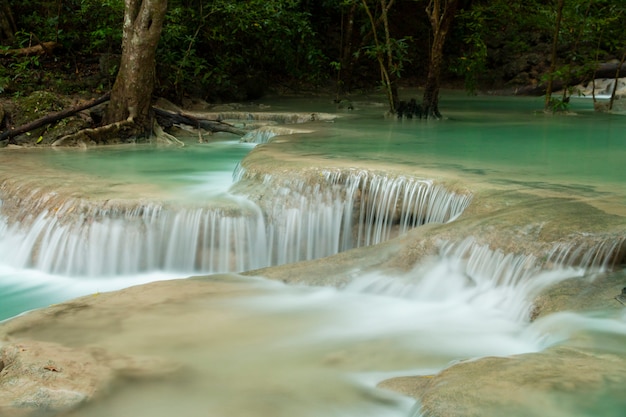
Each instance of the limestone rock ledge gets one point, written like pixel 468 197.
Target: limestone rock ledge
pixel 44 379
pixel 560 381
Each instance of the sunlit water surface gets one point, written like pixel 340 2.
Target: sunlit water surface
pixel 280 350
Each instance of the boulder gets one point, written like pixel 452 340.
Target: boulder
pixel 558 382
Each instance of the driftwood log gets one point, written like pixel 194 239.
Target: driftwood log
pixel 168 119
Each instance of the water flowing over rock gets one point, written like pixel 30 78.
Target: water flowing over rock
pixel 496 282
pixel 266 133
pixel 294 220
pixel 241 118
pixel 593 252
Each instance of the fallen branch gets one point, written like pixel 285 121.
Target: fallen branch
pixel 51 118
pixel 168 118
pixel 39 49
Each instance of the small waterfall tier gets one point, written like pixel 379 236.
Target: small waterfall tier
pixel 244 118
pixel 468 272
pixel 265 133
pixel 280 221
pixel 77 238
pixel 591 252
pixel 356 207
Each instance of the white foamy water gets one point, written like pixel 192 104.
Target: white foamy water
pixel 217 231
pixel 282 350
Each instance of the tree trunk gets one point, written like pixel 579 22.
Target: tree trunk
pixel 391 66
pixel 347 53
pixel 617 73
pixel 132 92
pixel 387 76
pixel 555 43
pixel 441 13
pixel 7 24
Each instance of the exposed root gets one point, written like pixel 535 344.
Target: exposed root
pixel 163 137
pixel 108 134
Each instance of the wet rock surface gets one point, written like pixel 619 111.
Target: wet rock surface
pixel 52 361
pixel 43 378
pixel 560 381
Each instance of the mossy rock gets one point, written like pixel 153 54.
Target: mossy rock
pixel 37 105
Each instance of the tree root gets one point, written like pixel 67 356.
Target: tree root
pixel 163 137
pixel 107 134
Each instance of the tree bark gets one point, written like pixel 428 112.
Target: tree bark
pixel 555 43
pixel 441 13
pixel 132 92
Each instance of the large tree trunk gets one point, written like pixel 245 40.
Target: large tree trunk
pixel 7 24
pixel 555 42
pixel 132 92
pixel 346 66
pixel 441 14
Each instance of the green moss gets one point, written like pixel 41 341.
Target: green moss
pixel 36 105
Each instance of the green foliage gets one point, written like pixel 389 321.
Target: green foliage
pixel 5 78
pixel 558 105
pixel 471 64
pixel 79 25
pixel 233 47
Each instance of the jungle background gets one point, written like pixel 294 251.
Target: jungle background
pixel 225 50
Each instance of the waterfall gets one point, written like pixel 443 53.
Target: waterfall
pixel 597 252
pixel 265 133
pixel 372 207
pixel 295 219
pixel 470 273
pixel 131 240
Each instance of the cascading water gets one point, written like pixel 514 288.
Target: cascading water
pixel 252 346
pixel 300 222
pixel 590 252
pixel 266 133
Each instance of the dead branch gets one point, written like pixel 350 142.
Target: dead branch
pixel 39 49
pixel 168 119
pixel 51 118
